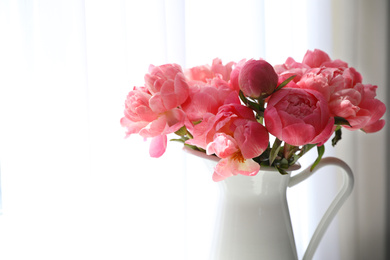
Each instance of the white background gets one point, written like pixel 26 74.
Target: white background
pixel 74 188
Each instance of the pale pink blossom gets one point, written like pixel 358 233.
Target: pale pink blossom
pixel 359 107
pixel 206 72
pixel 249 140
pixel 228 118
pixel 314 59
pixel 232 162
pixel 291 68
pixel 299 117
pixel 319 58
pixel 341 86
pixel 138 113
pixel 323 80
pixel 207 98
pixel 317 71
pixel 153 111
pixel 235 136
pixel 223 70
pixel 158 75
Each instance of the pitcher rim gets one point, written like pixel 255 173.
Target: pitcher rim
pixel 214 158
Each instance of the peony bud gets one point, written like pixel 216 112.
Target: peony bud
pixel 257 77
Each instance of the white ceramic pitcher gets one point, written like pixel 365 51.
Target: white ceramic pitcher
pixel 253 216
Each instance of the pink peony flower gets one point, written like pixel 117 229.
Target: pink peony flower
pixel 153 111
pixel 141 119
pixel 236 152
pixel 235 136
pixel 360 107
pixel 206 98
pixel 223 70
pixel 291 68
pixel 232 162
pixel 340 85
pixel 299 117
pixel 158 75
pixel 235 74
pixel 257 77
pixel 228 118
pixel 314 59
pixel 317 71
pixel 205 72
pixel 323 80
pixel 318 58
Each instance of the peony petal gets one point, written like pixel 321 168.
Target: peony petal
pixel 325 134
pixel 375 127
pixel 132 127
pixel 156 104
pixel 298 134
pixel 181 89
pixel 155 128
pixel 223 146
pixel 175 119
pixel 273 122
pixel 158 146
pixel 248 168
pixel 315 58
pixel 252 138
pixel 222 170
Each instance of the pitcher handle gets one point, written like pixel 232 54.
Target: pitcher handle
pixel 336 204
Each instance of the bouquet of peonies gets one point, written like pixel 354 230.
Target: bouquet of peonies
pixel 231 111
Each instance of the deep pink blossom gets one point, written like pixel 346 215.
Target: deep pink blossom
pixel 299 117
pixel 235 75
pixel 256 78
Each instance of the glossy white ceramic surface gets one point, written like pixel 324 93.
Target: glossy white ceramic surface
pixel 253 220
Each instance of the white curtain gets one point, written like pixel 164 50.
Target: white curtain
pixel 73 188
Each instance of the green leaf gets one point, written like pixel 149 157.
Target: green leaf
pixel 321 151
pixel 243 98
pixel 251 104
pixel 337 136
pixel 181 140
pixel 281 171
pixel 182 131
pixel 284 83
pixel 284 163
pixel 193 147
pixel 294 158
pixel 274 150
pixel 341 121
